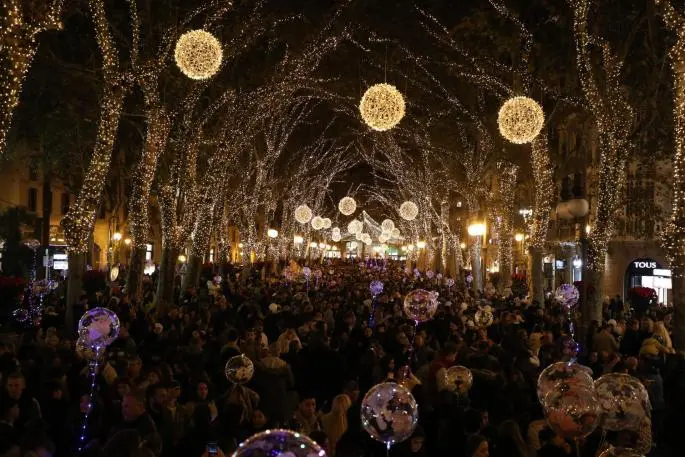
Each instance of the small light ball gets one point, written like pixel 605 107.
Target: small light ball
pixel 317 223
pixel 387 225
pixel 303 214
pixel 383 238
pixel 409 211
pixel 382 107
pixel 347 206
pixel 326 223
pixel 395 232
pixel 355 226
pixel 198 54
pixel 520 120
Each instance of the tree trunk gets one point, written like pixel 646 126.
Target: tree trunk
pixel 537 292
pixel 165 283
pixel 592 283
pixel 476 260
pixel 679 308
pixel 77 267
pixel 193 273
pixel 134 281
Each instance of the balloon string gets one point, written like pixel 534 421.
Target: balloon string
pixel 93 370
pixel 578 448
pixel 372 314
pixel 410 352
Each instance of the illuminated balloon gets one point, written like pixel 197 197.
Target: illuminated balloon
pixel 572 413
pixel 99 327
pixel 563 376
pixel 21 315
pixel 279 442
pixel 239 369
pixel 623 401
pixel 459 378
pixel 420 305
pixel 84 350
pixel 389 413
pixel 484 318
pixel 376 287
pixel 567 295
pixel 621 452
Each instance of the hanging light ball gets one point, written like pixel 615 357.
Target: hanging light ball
pixel 335 235
pixel 355 226
pixel 409 211
pixel 326 223
pixel 198 54
pixel 520 120
pixel 347 205
pixel 359 236
pixel 387 225
pixel 317 223
pixel 303 214
pixel 395 232
pixel 366 239
pixel 383 237
pixel 382 107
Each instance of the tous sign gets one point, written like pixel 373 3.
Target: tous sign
pixel 644 265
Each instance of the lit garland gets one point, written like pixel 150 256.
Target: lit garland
pixel 198 54
pixel 409 211
pixel 613 117
pixel 674 232
pixel 544 191
pixel 520 120
pixel 347 206
pixel 79 221
pixel 19 45
pixel 303 214
pixel 504 220
pixel 382 107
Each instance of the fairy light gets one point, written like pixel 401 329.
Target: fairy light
pixel 613 117
pixel 19 45
pixel 198 54
pixel 409 211
pixel 520 120
pixel 673 236
pixel 544 191
pixel 504 219
pixel 79 221
pixel 382 107
pixel 303 214
pixel 347 206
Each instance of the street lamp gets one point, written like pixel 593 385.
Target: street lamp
pixel 116 236
pixel 477 230
pixel 298 239
pixel 518 237
pixel 313 244
pixel 272 233
pixel 182 258
pixel 421 245
pixel 127 241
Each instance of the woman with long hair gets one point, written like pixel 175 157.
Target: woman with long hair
pixel 335 422
pixel 510 442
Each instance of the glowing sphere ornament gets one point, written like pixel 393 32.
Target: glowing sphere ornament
pixel 198 54
pixel 317 223
pixel 303 214
pixel 623 401
pixel 388 226
pixel 420 305
pixel 335 234
pixel 563 376
pixel 395 232
pixel 326 223
pixel 459 378
pixel 567 295
pixel 98 327
pixel 572 413
pixel 355 227
pixel 382 107
pixel 347 206
pixel 520 120
pixel 279 442
pixel 376 287
pixel 389 413
pixel 383 238
pixel 239 369
pixel 409 211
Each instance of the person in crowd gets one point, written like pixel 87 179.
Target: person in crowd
pixel 335 422
pixel 306 418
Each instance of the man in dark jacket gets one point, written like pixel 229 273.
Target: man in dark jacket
pixel 273 381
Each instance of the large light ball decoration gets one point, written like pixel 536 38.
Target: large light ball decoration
pixel 520 120
pixel 303 214
pixel 277 442
pixel 409 211
pixel 366 239
pixel 317 223
pixel 389 413
pixel 387 225
pixel 347 205
pixel 382 107
pixel 198 54
pixel 239 369
pixel 335 234
pixel 383 238
pixel 395 232
pixel 563 376
pixel 326 223
pixel 98 327
pixel 572 413
pixel 355 226
pixel 623 402
pixel 420 305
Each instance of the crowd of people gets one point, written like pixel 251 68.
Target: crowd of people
pixel 318 346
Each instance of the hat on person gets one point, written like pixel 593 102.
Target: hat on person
pixel 274 308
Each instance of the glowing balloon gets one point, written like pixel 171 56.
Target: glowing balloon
pixel 279 442
pixel 623 401
pixel 99 327
pixel 239 369
pixel 376 287
pixel 573 413
pixel 621 452
pixel 420 305
pixel 484 318
pixel 563 376
pixel 459 378
pixel 389 413
pixel 567 295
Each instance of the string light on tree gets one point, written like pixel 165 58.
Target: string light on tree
pixel 303 214
pixel 347 206
pixel 409 211
pixel 198 54
pixel 317 223
pixel 382 107
pixel 520 120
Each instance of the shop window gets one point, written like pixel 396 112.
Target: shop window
pixel 148 253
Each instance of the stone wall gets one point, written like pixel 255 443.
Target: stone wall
pixel 620 254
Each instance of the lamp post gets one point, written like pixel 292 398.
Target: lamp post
pixel 477 231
